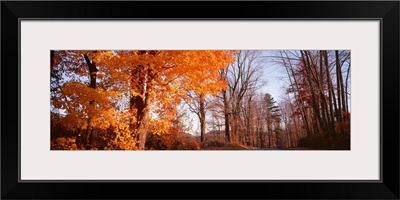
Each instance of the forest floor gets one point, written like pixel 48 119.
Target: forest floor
pixel 214 145
pixel 298 148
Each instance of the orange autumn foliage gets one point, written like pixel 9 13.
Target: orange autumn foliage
pixel 161 77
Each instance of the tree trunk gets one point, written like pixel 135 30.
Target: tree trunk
pixel 226 115
pixel 268 121
pixel 331 93
pixel 235 124
pixel 307 66
pixel 202 117
pixel 295 123
pixel 137 103
pixel 92 71
pixel 347 81
pixel 51 58
pixel 261 139
pixel 324 104
pixel 302 109
pixel 92 74
pixel 277 140
pixel 54 76
pixel 269 137
pixel 339 94
pixel 342 88
pixel 339 91
pixel 249 121
pixel 144 122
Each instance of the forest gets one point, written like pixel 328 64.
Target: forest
pixel 200 99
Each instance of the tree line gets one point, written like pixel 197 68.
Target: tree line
pixel 316 108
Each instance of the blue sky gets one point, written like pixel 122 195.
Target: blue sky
pixel 273 74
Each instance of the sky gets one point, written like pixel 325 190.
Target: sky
pixel 275 77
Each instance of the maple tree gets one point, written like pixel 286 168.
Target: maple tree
pixel 98 86
pixel 210 84
pixel 243 79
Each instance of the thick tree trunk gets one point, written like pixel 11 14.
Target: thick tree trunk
pixel 324 103
pixel 92 71
pixel 137 103
pixel 144 109
pixel 235 124
pixel 144 123
pixel 226 115
pixel 92 74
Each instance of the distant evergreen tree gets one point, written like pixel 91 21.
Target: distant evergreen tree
pixel 273 119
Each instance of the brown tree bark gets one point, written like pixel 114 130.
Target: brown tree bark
pixel 341 87
pixel 137 102
pixel 141 104
pixel 51 58
pixel 202 118
pixel 261 139
pixel 323 102
pixel 226 116
pixel 302 109
pixel 307 64
pixel 331 93
pixel 144 122
pixel 346 90
pixel 92 74
pixel 339 94
pixel 269 132
pixel 340 91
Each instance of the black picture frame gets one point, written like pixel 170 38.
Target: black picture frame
pixel 386 11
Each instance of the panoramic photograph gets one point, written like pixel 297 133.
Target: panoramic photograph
pixel 200 100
